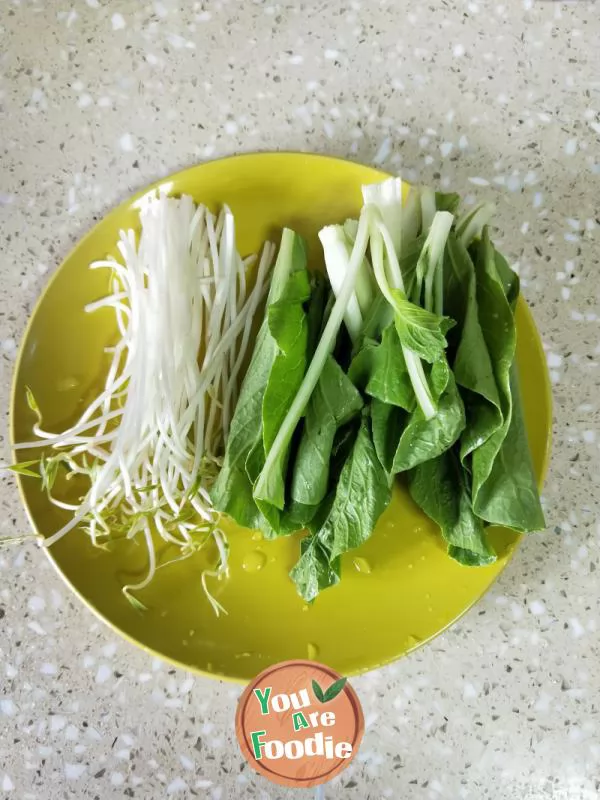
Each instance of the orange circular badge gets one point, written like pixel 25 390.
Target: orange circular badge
pixel 299 723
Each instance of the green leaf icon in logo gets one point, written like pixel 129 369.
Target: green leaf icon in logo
pixel 318 692
pixel 331 693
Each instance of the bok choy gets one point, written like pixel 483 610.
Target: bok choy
pixel 412 372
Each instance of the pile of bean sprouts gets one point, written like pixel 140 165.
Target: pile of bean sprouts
pixel 150 442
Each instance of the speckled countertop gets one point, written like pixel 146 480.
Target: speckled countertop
pixel 496 100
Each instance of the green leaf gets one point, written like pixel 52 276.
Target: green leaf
pixel 288 326
pixel 504 489
pixel 510 279
pixel 232 491
pixel 346 517
pixel 402 441
pixel 387 423
pixel 269 483
pixel 314 571
pixel 23 468
pixel 408 263
pixel 440 489
pixel 379 369
pixel 335 688
pixel 318 691
pixel 362 494
pixel 321 298
pixel 473 367
pixel 424 439
pixel 419 330
pixel 134 602
pixel 32 403
pixel 295 517
pixel 447 201
pixel 49 472
pixel 499 331
pixel 334 402
pixel 509 496
pixel 379 316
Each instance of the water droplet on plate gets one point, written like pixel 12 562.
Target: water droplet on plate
pixel 243 655
pixel 254 561
pixel 362 565
pixel 305 607
pixel 313 651
pixel 66 384
pixel 257 536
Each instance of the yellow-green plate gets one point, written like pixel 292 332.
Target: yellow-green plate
pixel 407 589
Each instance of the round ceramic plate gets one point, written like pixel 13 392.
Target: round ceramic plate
pixel 407 589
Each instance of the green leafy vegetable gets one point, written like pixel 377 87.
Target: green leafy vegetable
pixel 498 327
pixel 473 367
pixel 438 486
pixel 379 369
pixel 510 279
pixel 509 496
pixel 289 328
pixel 421 380
pixel 361 495
pixel 333 403
pixel 422 439
pixel 447 202
pixel 232 491
pixel 380 238
pixel 420 330
pixel 388 422
pixel 472 223
pixel 315 570
pixel 311 378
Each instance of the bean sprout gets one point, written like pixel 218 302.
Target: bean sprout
pixel 150 442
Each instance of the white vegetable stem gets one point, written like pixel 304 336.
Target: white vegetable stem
pixel 337 253
pixel 471 224
pixel 430 263
pixel 324 348
pixel 392 226
pixel 163 415
pixel 387 198
pixel 380 236
pixel 428 208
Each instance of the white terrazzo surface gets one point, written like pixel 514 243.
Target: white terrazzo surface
pixel 496 100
